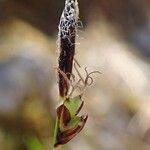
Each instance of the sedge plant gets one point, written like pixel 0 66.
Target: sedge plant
pixel 68 122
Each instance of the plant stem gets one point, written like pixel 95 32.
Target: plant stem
pixel 55 132
pixel 66 35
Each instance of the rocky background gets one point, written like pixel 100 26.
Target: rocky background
pixel 115 39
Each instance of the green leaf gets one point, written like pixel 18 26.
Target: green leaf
pixel 74 122
pixel 74 105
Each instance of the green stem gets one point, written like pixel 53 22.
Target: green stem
pixel 55 132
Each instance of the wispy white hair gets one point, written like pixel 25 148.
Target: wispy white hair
pixel 69 18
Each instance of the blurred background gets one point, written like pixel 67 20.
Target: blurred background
pixel 115 40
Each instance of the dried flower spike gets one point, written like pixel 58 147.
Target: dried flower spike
pixel 68 123
pixel 67 35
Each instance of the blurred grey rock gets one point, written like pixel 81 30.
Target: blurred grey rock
pixel 141 39
pixel 19 77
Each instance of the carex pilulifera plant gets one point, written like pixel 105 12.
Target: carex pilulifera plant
pixel 68 122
